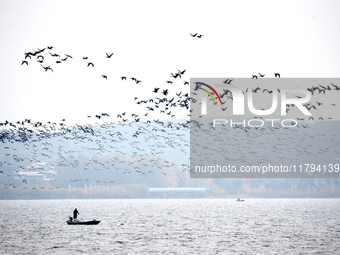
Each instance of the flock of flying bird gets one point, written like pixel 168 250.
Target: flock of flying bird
pixel 245 146
pixel 135 148
pixel 45 57
pixel 135 143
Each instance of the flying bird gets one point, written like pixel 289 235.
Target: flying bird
pixel 90 64
pixel 269 91
pixel 228 81
pixel 277 75
pixel 109 56
pixel 255 90
pixel 54 55
pixel 47 68
pixel 175 75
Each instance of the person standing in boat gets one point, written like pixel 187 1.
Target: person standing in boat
pixel 75 213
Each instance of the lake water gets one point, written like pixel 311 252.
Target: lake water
pixel 172 226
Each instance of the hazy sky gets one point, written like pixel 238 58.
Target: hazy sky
pixel 150 40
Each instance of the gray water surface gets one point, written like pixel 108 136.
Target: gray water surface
pixel 172 226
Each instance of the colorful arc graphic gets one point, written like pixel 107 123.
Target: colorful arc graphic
pixel 209 95
pixel 215 92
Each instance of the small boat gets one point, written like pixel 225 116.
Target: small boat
pixel 81 222
pixel 239 200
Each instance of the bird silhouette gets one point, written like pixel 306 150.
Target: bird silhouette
pixel 54 55
pixel 227 81
pixel 90 64
pixel 269 91
pixel 109 56
pixel 47 68
pixel 255 90
pixel 277 75
pixel 335 86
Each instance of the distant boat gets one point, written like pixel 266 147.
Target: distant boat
pixel 80 222
pixel 239 200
